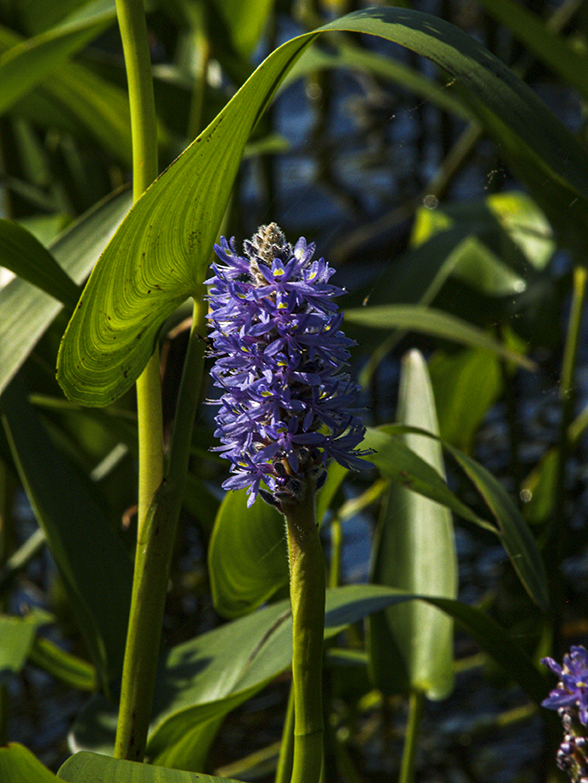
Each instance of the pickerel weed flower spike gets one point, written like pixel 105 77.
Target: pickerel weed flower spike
pixel 280 358
pixel 570 699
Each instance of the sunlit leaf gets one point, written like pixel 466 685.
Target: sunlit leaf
pixel 397 461
pixel 159 256
pixel 208 676
pixel 85 767
pixel 428 320
pixel 411 646
pixel 19 765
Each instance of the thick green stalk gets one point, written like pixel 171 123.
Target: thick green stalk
pixel 307 597
pixel 415 716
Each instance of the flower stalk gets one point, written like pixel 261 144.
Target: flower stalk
pixel 307 598
pixel 285 409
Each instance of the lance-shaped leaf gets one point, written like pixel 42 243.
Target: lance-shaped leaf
pixel 160 254
pixel 411 646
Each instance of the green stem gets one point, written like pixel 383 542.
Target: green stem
pixel 158 500
pixel 307 597
pixel 155 542
pixel 133 30
pixel 415 715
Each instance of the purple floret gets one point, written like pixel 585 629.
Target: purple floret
pixel 280 355
pixel 572 688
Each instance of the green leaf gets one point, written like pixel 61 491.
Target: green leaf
pixel 82 542
pixel 466 384
pixel 550 47
pixel 515 534
pixel 411 646
pixel 344 54
pixel 203 679
pixel 406 468
pixel 19 765
pixel 26 257
pixel 18 635
pixel 87 767
pixel 427 320
pixel 245 21
pixel 76 251
pixel 247 555
pixel 28 63
pixel 159 256
pixel 77 101
pixel 395 460
pixel 68 668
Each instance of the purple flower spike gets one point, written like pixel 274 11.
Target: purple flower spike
pixel 280 355
pixel 572 689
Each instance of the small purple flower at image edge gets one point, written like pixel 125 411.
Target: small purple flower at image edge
pixel 572 688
